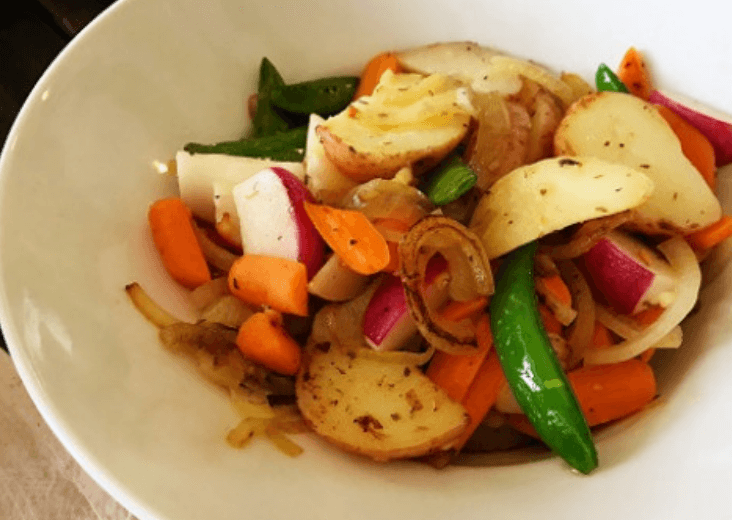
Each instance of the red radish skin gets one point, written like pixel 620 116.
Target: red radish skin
pixel 387 323
pixel 388 316
pixel 311 245
pixel 718 132
pixel 621 279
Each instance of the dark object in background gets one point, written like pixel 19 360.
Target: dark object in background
pixel 31 36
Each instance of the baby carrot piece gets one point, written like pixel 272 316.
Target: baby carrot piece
pixel 352 237
pixel 372 73
pixel 263 339
pixel 458 311
pixel 694 144
pixel 171 224
pixel 606 392
pixel 711 236
pixel 454 373
pixel 262 280
pixel 482 395
pixel 634 74
pixel 645 317
pixel 556 288
pixel 601 337
pixel 551 323
pixel 394 263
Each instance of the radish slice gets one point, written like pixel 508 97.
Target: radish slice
pixel 685 266
pixel 715 127
pixel 311 246
pixel 273 221
pixel 629 274
pixel 387 324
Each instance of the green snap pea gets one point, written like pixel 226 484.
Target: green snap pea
pixel 453 179
pixel 283 146
pixel 531 367
pixel 607 81
pixel 266 120
pixel 324 96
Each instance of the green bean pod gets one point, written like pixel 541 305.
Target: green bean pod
pixel 266 120
pixel 607 81
pixel 324 96
pixel 531 367
pixel 452 179
pixel 283 146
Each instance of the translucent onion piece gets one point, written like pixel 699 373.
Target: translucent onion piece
pixel 587 236
pixel 623 326
pixel 149 307
pixel 470 277
pixel 684 263
pixel 580 335
pixel 215 255
pixel 206 294
pixel 381 199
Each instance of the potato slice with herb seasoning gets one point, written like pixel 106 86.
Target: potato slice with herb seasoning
pixel 627 130
pixel 409 120
pixel 382 409
pixel 549 195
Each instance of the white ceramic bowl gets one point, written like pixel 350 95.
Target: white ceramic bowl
pixel 77 176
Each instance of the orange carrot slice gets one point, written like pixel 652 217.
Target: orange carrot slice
pixel 555 286
pixel 551 323
pixel 171 224
pixel 455 373
pixel 606 392
pixel 352 237
pixel 459 310
pixel 694 144
pixel 262 280
pixel 711 236
pixel 263 339
pixel 601 337
pixel 372 73
pixel 482 395
pixel 634 73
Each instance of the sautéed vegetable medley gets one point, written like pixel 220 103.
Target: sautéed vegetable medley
pixel 456 253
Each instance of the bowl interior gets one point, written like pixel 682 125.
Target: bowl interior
pixel 78 173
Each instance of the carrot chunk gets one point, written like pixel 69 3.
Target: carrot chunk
pixel 373 71
pixel 263 339
pixel 352 237
pixel 262 280
pixel 171 224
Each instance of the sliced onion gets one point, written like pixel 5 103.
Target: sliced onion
pixel 684 263
pixel 587 236
pixel 215 255
pixel 149 307
pixel 470 277
pixel 207 293
pixel 621 325
pixel 580 336
pixel 384 201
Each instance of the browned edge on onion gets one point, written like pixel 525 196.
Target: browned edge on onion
pixel 470 277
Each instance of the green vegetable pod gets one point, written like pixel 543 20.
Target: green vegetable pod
pixel 607 81
pixel 324 96
pixel 531 367
pixel 283 146
pixel 452 180
pixel 266 120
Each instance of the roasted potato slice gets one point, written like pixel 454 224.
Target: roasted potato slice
pixel 539 198
pixel 626 130
pixel 409 120
pixel 381 409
